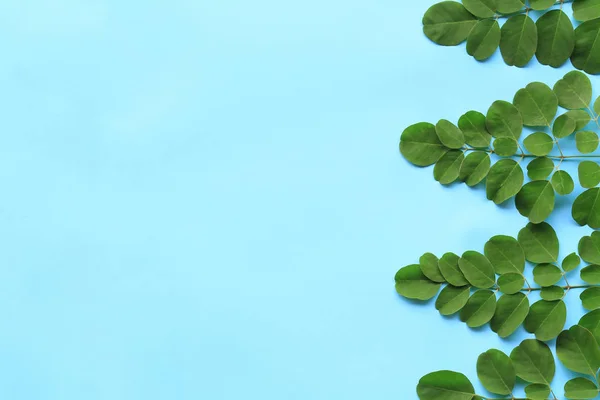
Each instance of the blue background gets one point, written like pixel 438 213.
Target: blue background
pixel 205 199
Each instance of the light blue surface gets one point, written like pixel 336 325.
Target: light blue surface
pixel 205 200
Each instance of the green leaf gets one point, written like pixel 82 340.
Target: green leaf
pixel 505 146
pixel 448 23
pixel 591 274
pixel 597 105
pixel 552 293
pixel 541 4
pixel 582 118
pixel 562 183
pixel 556 38
pixel 586 55
pixel 446 170
pixel 477 269
pixel 574 91
pixel 504 180
pixel 511 283
pixel 587 141
pixel 535 201
pixel 481 8
pixel 537 391
pixel 474 168
pixel 540 243
pixel 540 168
pixel 429 264
pixel 580 388
pixel 590 298
pixel 578 351
pixel 539 144
pixel 509 6
pixel 412 284
pixel 480 308
pixel 584 10
pixel 537 104
pixel 586 208
pixel 506 254
pixel 546 274
pixel 511 311
pixel 452 299
pixel 589 249
pixel 519 40
pixel 484 39
pixel 571 262
pixel 448 265
pixel 420 145
pixel 533 362
pixel 504 120
pixel 591 321
pixel 445 385
pixel 496 372
pixel 449 134
pixel 563 126
pixel 473 126
pixel 589 174
pixel 546 319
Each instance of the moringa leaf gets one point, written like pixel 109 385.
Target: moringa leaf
pixel 511 311
pixel 511 283
pixel 584 10
pixel 481 8
pixel 535 201
pixel 562 183
pixel 589 249
pixel 448 23
pixel 578 351
pixel 586 141
pixel 591 321
pixel 484 39
pixel 574 91
pixel 552 293
pixel 556 38
pixel 504 120
pixel 452 299
pixel 537 104
pixel 509 6
pixel 590 298
pixel 540 168
pixel 586 208
pixel 496 372
pixel 473 126
pixel 563 126
pixel 546 274
pixel 571 262
pixel 446 170
pixel 540 243
pixel 591 274
pixel 586 55
pixel 412 284
pixel 505 146
pixel 582 118
pixel 581 388
pixel 480 308
pixel 477 269
pixel 519 40
pixel 449 134
pixel 539 144
pixel 420 145
pixel 537 391
pixel 546 319
pixel 474 168
pixel 429 264
pixel 448 265
pixel 533 362
pixel 506 254
pixel 541 4
pixel 504 180
pixel 589 174
pixel 445 385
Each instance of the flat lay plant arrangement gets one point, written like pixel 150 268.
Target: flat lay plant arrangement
pixel 551 38
pixel 491 287
pixel 494 150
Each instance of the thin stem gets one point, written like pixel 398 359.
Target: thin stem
pixel 566 287
pixel 523 155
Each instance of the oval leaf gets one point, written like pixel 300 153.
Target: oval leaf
pixel 504 180
pixel 445 385
pixel 480 308
pixel 448 23
pixel 537 104
pixel 473 126
pixel 474 168
pixel 586 208
pixel 578 351
pixel 484 39
pixel 562 183
pixel 448 265
pixel 477 269
pixel 556 38
pixel 446 170
pixel 506 254
pixel 420 145
pixel 533 362
pixel 449 134
pixel 539 242
pixel 496 372
pixel 412 284
pixel 574 91
pixel 504 120
pixel 539 144
pixel 535 200
pixel 586 55
pixel 511 311
pixel 546 319
pixel 589 174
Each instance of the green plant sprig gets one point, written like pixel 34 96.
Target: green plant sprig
pixel 470 283
pixel 531 361
pixel 465 151
pixel 552 38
